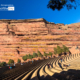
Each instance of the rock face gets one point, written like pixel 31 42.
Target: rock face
pixel 20 37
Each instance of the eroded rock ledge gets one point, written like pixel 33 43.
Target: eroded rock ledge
pixel 23 20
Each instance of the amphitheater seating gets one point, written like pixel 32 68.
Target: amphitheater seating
pixel 41 71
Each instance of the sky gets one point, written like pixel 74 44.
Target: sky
pixel 35 9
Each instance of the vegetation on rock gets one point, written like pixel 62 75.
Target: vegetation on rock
pixel 45 54
pixel 35 55
pixel 50 53
pixel 24 58
pixel 59 50
pixel 10 61
pixel 18 60
pixel 2 64
pixel 65 49
pixel 30 56
pixel 55 50
pixel 39 54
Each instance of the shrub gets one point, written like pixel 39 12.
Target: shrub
pixel 45 54
pixel 18 60
pixel 39 54
pixel 30 56
pixel 10 61
pixel 27 56
pixel 24 58
pixel 55 50
pixel 35 55
pixel 2 64
pixel 50 53
pixel 59 50
pixel 65 49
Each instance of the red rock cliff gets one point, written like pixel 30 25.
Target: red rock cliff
pixel 20 37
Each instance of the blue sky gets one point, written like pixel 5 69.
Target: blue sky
pixel 34 9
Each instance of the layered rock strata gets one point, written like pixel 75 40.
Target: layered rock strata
pixel 20 37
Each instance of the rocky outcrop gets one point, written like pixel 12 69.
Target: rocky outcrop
pixel 20 37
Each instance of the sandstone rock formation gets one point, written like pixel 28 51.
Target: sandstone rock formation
pixel 20 37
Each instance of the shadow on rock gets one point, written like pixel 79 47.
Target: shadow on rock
pixel 44 78
pixel 71 74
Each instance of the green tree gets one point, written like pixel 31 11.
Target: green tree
pixel 18 60
pixel 10 61
pixel 2 64
pixel 24 58
pixel 59 4
pixel 30 56
pixel 39 54
pixel 27 56
pixel 65 49
pixel 45 54
pixel 55 50
pixel 50 53
pixel 59 50
pixel 35 55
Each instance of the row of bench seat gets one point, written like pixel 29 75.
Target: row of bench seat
pixel 44 72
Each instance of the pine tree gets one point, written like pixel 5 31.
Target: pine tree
pixel 55 50
pixel 50 53
pixel 30 56
pixel 59 50
pixel 35 55
pixel 18 60
pixel 45 54
pixel 39 54
pixel 24 58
